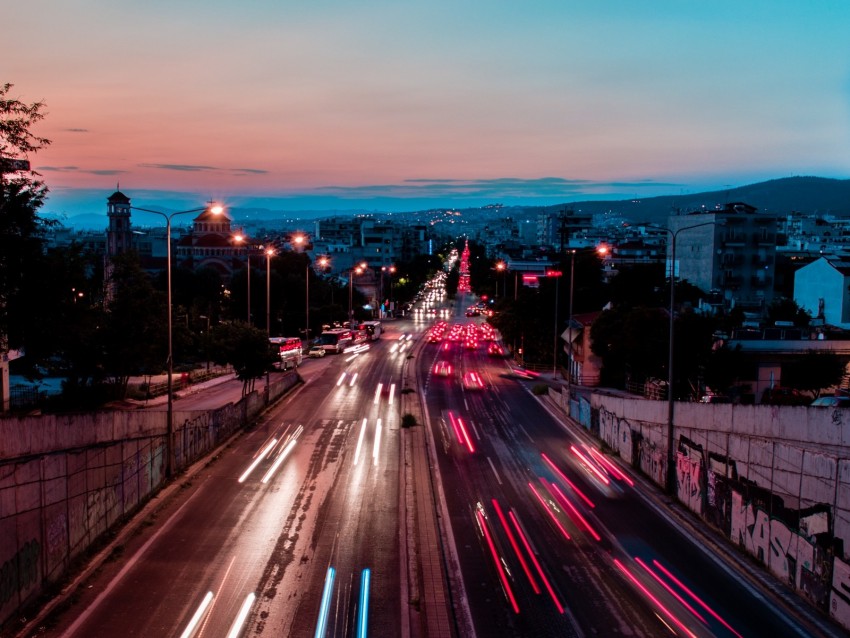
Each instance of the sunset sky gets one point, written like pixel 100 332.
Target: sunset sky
pixel 392 105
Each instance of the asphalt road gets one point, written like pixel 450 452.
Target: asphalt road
pixel 296 520
pixel 555 538
pixel 319 505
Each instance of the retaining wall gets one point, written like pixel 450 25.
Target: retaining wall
pixel 67 479
pixel 775 481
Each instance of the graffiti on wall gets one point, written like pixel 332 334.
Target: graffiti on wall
pixel 839 602
pixel 792 544
pixel 790 555
pixel 20 572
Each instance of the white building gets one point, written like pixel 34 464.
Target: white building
pixel 823 289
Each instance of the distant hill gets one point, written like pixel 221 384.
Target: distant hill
pixel 808 195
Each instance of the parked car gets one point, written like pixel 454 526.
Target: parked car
pixel 316 352
pixel 831 402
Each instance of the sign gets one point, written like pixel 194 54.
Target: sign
pixel 553 273
pixel 8 165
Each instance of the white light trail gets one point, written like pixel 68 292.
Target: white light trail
pixel 363 612
pixel 378 393
pixel 377 443
pixel 324 608
pixel 341 379
pixel 236 628
pixel 359 442
pixel 392 392
pixel 193 624
pixel 353 379
pixel 258 460
pixel 286 450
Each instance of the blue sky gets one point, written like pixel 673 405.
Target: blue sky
pixel 396 106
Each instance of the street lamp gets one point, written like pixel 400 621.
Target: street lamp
pixel 671 468
pixel 298 240
pixel 387 269
pixel 321 262
pixel 570 328
pixel 240 239
pixel 359 269
pixel 500 267
pixel 169 419
pixel 269 254
pixel 557 275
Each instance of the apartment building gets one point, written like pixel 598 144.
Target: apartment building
pixel 731 250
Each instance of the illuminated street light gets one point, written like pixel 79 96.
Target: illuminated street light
pixel 321 262
pixel 239 239
pixel 557 275
pixel 671 468
pixel 500 267
pixel 270 252
pixel 391 270
pixel 570 328
pixel 215 209
pixel 359 269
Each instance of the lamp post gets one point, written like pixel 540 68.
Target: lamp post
pixel 240 239
pixel 359 270
pixel 269 254
pixel 570 327
pixel 298 240
pixel 387 269
pixel 322 262
pixel 169 419
pixel 557 275
pixel 500 268
pixel 671 468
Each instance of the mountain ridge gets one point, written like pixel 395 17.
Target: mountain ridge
pixel 808 195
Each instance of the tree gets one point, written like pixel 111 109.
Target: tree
pixel 784 309
pixel 632 344
pixel 21 230
pixel 246 349
pixel 135 337
pixel 813 371
pixel 66 317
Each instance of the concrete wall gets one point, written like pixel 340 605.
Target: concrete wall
pixel 67 479
pixel 773 480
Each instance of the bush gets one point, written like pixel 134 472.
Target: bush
pixel 540 389
pixel 408 420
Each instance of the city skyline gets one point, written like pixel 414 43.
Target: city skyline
pixel 383 107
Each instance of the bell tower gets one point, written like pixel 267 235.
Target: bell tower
pixel 119 238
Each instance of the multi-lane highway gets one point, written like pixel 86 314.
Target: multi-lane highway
pixel 296 528
pixel 553 536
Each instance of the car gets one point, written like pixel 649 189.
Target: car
pixel 316 352
pixel 443 369
pixel 473 381
pixel 495 350
pixel 831 402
